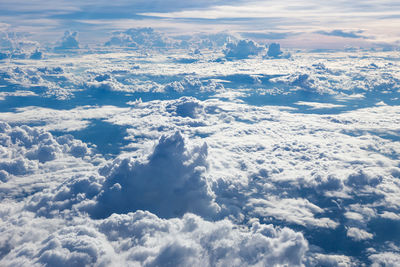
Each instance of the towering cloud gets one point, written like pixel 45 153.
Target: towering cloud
pixel 274 50
pixel 242 49
pixel 169 183
pixel 68 41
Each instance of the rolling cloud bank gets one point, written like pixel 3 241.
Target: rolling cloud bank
pixel 158 149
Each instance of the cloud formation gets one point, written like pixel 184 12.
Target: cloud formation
pixel 278 160
pixel 135 37
pixel 344 34
pixel 68 41
pixel 242 49
pixel 170 183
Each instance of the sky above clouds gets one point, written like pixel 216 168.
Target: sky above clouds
pixel 300 23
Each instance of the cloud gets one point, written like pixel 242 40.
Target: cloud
pixel 51 228
pixel 16 42
pixel 266 35
pixel 191 240
pixel 141 238
pixel 274 50
pixel 94 19
pixel 242 49
pixel 384 259
pixel 171 182
pixel 186 107
pixel 344 34
pixel 328 172
pixel 75 246
pixel 68 41
pixel 135 37
pixel 358 234
pixel 193 85
pixel 36 55
pixel 27 148
pixel 298 211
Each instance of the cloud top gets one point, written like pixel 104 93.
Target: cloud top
pixel 169 183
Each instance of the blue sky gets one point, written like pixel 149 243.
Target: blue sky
pixel 300 24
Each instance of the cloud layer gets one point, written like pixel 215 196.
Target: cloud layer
pixel 202 149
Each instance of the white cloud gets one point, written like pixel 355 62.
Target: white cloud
pixel 169 183
pixel 358 234
pixel 242 49
pixel 316 105
pixel 319 173
pixel 385 259
pixel 193 240
pixel 135 37
pixel 68 41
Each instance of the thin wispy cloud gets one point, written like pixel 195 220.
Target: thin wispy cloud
pixel 290 16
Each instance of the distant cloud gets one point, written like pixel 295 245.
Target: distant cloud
pixel 135 37
pixel 186 107
pixel 266 35
pixel 274 50
pixel 68 41
pixel 344 34
pixel 193 85
pixel 95 18
pixel 242 49
pixel 36 55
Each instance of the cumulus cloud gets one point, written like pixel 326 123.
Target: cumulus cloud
pixel 330 171
pixel 68 41
pixel 138 37
pixel 51 228
pixel 274 51
pixel 191 240
pixel 242 49
pixel 358 234
pixel 205 41
pixel 186 107
pixel 24 148
pixel 193 85
pixel 385 259
pixel 16 42
pixel 141 238
pixel 169 183
pixel 36 55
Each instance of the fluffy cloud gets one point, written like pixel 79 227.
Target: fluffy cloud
pixel 23 149
pixel 274 50
pixel 135 37
pixel 186 107
pixel 51 228
pixel 193 85
pixel 358 234
pixel 141 238
pixel 191 240
pixel 385 259
pixel 330 171
pixel 68 41
pixel 242 49
pixel 16 42
pixel 169 183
